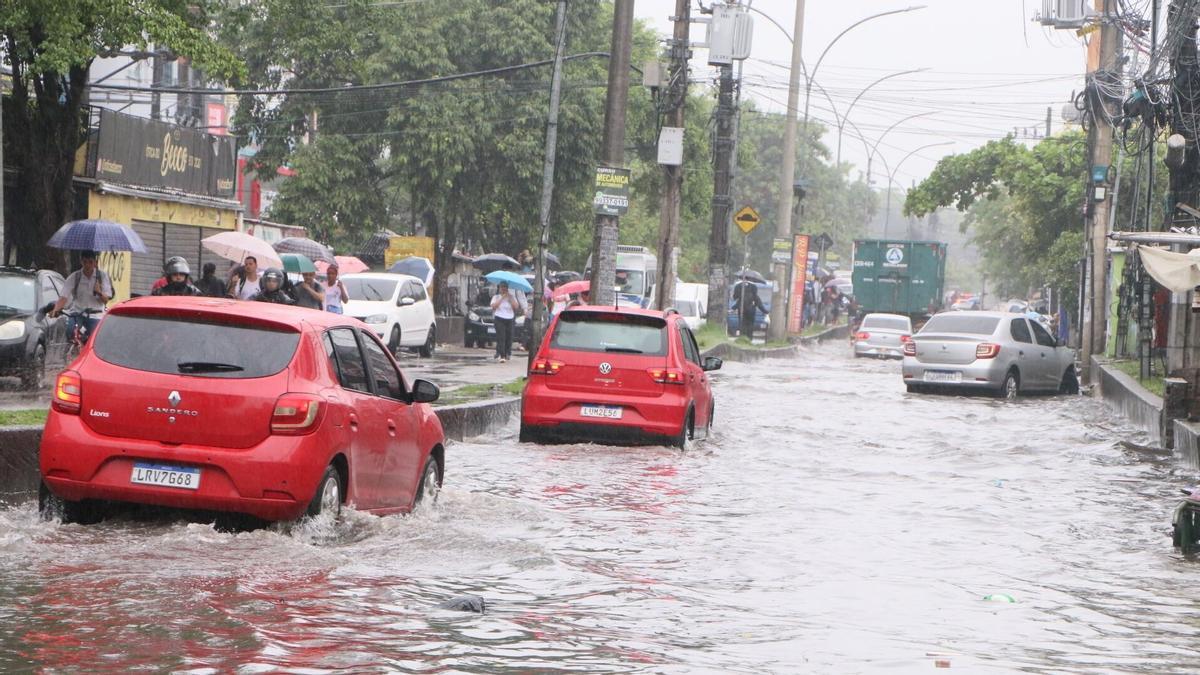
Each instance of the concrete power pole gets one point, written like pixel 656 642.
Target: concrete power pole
pixel 1100 140
pixel 539 305
pixel 718 241
pixel 3 251
pixel 604 241
pixel 787 176
pixel 676 95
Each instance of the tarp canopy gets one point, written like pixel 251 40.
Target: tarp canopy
pixel 1178 272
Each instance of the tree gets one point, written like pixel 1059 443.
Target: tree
pixel 50 45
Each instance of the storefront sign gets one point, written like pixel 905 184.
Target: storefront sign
pixel 136 151
pixel 404 247
pixel 795 317
pixel 781 251
pixel 612 192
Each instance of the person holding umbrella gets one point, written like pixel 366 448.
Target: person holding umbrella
pixel 87 288
pixel 505 307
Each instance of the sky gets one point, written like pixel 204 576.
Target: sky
pixel 989 68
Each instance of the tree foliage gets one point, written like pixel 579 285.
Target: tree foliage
pixel 50 45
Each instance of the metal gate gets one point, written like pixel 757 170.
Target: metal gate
pixel 147 267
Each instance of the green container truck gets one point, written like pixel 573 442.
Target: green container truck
pixel 899 277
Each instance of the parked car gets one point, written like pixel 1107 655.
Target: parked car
pixel 882 335
pixel 396 307
pixel 479 328
pixel 966 305
pixel 195 403
pixel 998 352
pixel 621 375
pixel 26 331
pixel 692 302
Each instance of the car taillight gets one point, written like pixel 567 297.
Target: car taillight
pixel 906 338
pixel 910 348
pixel 546 367
pixel 296 414
pixel 862 336
pixel 986 350
pixel 68 389
pixel 666 375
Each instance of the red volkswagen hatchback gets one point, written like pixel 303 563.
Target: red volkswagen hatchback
pixel 239 408
pixel 618 375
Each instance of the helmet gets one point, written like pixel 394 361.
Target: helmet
pixel 272 274
pixel 176 265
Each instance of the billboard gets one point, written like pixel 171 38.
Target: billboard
pixel 795 317
pixel 141 152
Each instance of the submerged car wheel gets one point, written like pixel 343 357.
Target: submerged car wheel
pixel 686 432
pixel 35 370
pixel 1011 387
pixel 431 484
pixel 328 498
pixel 430 343
pixel 1070 382
pixel 51 506
pixel 394 340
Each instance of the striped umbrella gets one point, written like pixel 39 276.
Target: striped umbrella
pixel 306 247
pixel 97 235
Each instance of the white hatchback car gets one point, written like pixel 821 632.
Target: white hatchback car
pixel 396 307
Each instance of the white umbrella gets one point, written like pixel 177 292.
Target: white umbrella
pixel 236 246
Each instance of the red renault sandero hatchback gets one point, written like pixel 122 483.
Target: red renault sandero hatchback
pixel 242 408
pixel 618 375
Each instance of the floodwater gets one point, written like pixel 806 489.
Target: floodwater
pixel 833 524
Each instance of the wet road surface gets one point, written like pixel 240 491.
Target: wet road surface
pixel 833 524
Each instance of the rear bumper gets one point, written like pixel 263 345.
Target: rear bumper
pixel 866 348
pixel 274 480
pixel 557 414
pixel 980 374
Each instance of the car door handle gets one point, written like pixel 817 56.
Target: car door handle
pixel 391 427
pixel 1020 352
pixel 353 422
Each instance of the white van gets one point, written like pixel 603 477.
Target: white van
pixel 692 302
pixel 637 269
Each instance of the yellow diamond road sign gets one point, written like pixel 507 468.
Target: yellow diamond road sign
pixel 747 219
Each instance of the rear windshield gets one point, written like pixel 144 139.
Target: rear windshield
pixel 885 322
pixel 622 333
pixel 178 346
pixel 961 323
pixel 369 289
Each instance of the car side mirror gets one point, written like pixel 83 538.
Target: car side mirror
pixel 712 363
pixel 424 391
pixel 405 302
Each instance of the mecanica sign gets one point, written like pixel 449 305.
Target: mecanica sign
pixel 136 151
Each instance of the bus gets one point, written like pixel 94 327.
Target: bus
pixel 637 271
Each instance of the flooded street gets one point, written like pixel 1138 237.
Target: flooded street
pixel 833 523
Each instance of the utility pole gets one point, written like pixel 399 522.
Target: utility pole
pixel 1048 110
pixel 718 241
pixel 787 176
pixel 1100 139
pixel 3 250
pixel 539 283
pixel 676 97
pixel 607 227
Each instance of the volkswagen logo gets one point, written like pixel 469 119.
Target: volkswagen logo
pixel 174 398
pixel 605 368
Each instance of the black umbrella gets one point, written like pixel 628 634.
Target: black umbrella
pixel 306 247
pixel 552 262
pixel 490 262
pixel 751 275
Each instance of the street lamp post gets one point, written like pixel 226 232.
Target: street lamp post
pixel 865 89
pixel 887 215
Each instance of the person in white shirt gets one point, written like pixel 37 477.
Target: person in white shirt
pixel 243 285
pixel 505 307
pixel 87 288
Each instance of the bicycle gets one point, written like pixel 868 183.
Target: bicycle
pixel 78 336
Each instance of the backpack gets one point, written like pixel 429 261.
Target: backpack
pixel 79 275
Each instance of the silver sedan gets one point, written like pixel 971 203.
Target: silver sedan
pixel 882 335
pixel 999 352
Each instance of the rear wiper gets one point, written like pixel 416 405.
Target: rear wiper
pixel 207 367
pixel 624 350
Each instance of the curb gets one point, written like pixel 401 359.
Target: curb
pixel 19 445
pixel 1131 400
pixel 731 352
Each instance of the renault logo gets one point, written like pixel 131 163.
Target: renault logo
pixel 605 368
pixel 174 399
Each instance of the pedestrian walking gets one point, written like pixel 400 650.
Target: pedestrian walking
pixel 244 284
pixel 87 288
pixel 505 308
pixel 748 304
pixel 309 292
pixel 335 291
pixel 209 284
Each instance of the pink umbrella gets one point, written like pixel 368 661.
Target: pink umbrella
pixel 572 287
pixel 347 264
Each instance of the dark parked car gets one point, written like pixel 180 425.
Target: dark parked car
pixel 26 333
pixel 479 330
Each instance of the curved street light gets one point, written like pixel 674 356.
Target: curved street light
pixel 865 89
pixel 892 178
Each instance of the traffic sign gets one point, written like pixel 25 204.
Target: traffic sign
pixel 747 219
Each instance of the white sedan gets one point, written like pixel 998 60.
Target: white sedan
pixel 396 307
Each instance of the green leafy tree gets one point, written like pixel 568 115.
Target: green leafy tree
pixel 50 45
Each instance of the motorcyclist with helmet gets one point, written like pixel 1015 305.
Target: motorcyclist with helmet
pixel 178 278
pixel 271 288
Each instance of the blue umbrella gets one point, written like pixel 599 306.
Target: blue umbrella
pixel 513 280
pixel 415 266
pixel 97 235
